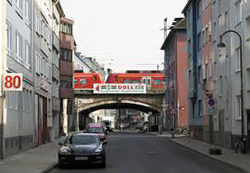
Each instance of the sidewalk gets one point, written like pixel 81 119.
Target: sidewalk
pixel 241 161
pixel 36 160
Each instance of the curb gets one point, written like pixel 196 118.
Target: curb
pixel 208 156
pixel 49 168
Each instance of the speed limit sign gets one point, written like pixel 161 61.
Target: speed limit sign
pixel 13 82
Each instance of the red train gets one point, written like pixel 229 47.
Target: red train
pixel 85 81
pixel 152 80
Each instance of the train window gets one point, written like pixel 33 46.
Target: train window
pixel 136 81
pixel 116 79
pixel 94 78
pixel 157 82
pixel 83 81
pixel 76 81
pixel 127 81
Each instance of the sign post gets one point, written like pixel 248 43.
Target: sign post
pixel 211 108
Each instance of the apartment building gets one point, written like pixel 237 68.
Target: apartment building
pixel 19 117
pixel 175 59
pixel 66 68
pixel 43 71
pixel 57 14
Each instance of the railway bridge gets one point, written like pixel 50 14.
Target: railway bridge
pixel 87 101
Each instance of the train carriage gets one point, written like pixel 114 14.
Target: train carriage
pixel 152 80
pixel 86 81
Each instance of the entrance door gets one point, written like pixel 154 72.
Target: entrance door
pixel 248 130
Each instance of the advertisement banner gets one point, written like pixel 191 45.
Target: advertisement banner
pixel 120 89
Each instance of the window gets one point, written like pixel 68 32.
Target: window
pixel 157 81
pixel 204 37
pixel 226 19
pixel 248 29
pixel 42 65
pixel 194 110
pixel 43 28
pixel 28 11
pixel 189 14
pixel 83 81
pixel 199 42
pixel 66 28
pixel 127 81
pixel 237 59
pixel 66 54
pixel 27 59
pixel 199 8
pixel 238 109
pixel 9 39
pixel 19 5
pixel 75 81
pixel 94 78
pixel 190 79
pixel 206 70
pixel 38 63
pixel 239 6
pixel 207 35
pixel 189 47
pixel 136 81
pixel 19 47
pixel 66 84
pixel 199 75
pixel 221 86
pixel 200 108
pixel 38 24
pixel 209 32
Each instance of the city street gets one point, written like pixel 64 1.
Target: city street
pixel 144 153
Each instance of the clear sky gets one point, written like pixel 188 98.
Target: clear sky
pixel 122 34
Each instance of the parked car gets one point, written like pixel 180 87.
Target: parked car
pixel 82 148
pixel 98 128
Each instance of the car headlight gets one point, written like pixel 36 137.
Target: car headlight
pixel 65 151
pixel 98 149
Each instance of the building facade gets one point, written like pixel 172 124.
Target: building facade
pixel 3 46
pixel 231 15
pixel 199 16
pixel 43 70
pixel 57 14
pixel 176 77
pixel 19 119
pixel 66 67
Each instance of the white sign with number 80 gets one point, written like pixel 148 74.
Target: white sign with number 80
pixel 13 82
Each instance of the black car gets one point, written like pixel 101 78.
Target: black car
pixel 82 148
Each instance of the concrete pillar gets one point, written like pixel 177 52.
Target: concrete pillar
pixel 65 116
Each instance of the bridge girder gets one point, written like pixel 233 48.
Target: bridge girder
pixel 143 102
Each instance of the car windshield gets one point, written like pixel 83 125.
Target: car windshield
pixel 82 140
pixel 95 130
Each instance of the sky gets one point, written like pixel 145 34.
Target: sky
pixel 122 34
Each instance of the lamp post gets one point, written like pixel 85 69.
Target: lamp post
pixel 222 45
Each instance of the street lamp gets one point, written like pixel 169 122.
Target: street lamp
pixel 222 45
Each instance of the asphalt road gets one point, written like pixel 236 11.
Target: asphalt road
pixel 144 153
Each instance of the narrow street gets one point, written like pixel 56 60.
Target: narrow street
pixel 144 153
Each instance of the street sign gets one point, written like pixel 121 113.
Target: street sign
pixel 13 82
pixel 119 88
pixel 211 108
